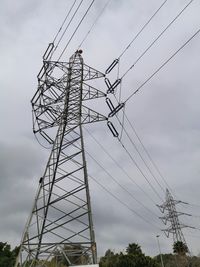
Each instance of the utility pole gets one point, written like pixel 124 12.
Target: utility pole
pixel 60 225
pixel 161 258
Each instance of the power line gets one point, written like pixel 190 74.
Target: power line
pixel 97 18
pixel 76 28
pixel 144 161
pixel 66 17
pixel 123 203
pixel 66 28
pixel 115 180
pixel 192 204
pixel 121 186
pixel 137 90
pixel 117 61
pixel 140 170
pixel 144 26
pixel 158 37
pixel 147 153
pixel 195 216
pixel 165 63
pixel 119 166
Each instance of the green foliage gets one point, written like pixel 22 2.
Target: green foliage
pixel 7 256
pixel 180 248
pixel 133 258
pixel 133 249
pixel 171 260
pixel 168 260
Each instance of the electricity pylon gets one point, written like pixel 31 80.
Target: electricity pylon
pixel 60 224
pixel 172 217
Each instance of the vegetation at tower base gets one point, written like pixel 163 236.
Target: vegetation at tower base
pixel 180 248
pixel 134 257
pixel 76 258
pixel 7 256
pixel 60 260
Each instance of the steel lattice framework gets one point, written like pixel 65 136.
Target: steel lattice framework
pixel 172 217
pixel 60 224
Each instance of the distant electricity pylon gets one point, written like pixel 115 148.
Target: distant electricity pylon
pixel 60 224
pixel 172 217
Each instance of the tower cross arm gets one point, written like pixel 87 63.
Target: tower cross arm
pixel 90 73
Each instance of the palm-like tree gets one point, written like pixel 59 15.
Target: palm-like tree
pixel 134 249
pixel 180 248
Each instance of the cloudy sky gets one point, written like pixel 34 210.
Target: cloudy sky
pixel 165 114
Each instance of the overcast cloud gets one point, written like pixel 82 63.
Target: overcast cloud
pixel 165 113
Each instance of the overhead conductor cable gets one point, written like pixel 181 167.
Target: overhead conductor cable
pixel 121 186
pixel 157 38
pixel 66 17
pixel 124 204
pixel 97 18
pixel 66 28
pixel 137 150
pixel 148 154
pixel 145 25
pixel 116 61
pixel 165 63
pixel 121 167
pixel 117 198
pixel 76 28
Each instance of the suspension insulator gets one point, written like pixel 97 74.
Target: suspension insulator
pixel 41 73
pixel 107 82
pixel 114 63
pixel 110 104
pixel 115 110
pixel 112 129
pixel 48 51
pixel 113 86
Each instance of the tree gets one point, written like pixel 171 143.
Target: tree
pixel 109 260
pixel 134 249
pixel 180 248
pixel 70 253
pixel 7 256
pixel 133 258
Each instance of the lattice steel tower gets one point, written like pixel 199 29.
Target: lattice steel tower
pixel 60 224
pixel 172 217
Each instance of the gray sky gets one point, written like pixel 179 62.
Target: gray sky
pixel 165 113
